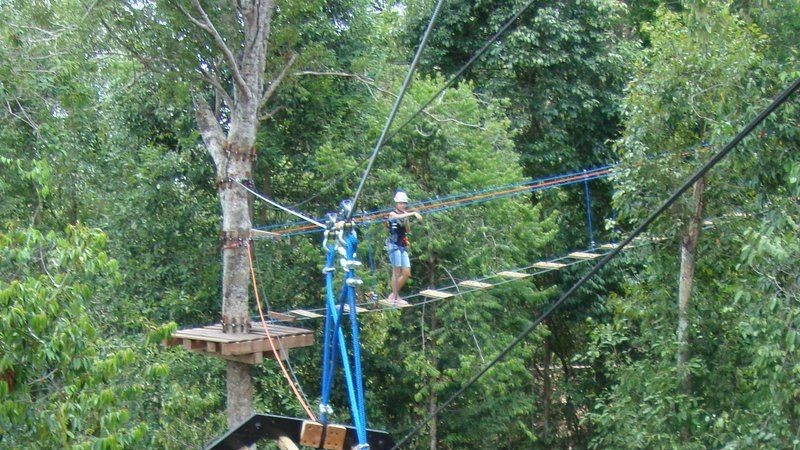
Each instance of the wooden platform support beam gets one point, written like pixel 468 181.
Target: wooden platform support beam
pixel 548 265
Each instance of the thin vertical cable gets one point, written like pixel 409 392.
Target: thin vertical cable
pixel 397 102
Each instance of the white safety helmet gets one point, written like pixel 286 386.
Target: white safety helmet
pixel 400 197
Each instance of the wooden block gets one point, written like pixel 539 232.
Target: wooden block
pixel 334 437
pixel 548 265
pixel 282 317
pixel 432 293
pixel 283 354
pixel 191 344
pixel 212 347
pixel 252 358
pixel 475 284
pixel 311 434
pixel 237 348
pixel 516 275
pixel 609 246
pixel 583 255
pixel 305 314
pixel 170 341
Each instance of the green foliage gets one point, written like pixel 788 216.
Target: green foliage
pixel 685 95
pixel 93 137
pixel 57 372
pixel 707 73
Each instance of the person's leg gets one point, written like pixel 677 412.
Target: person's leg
pixel 395 262
pixel 405 274
pixel 397 274
pixel 405 269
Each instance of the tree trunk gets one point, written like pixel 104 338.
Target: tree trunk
pixel 689 241
pixel 570 413
pixel 547 393
pixel 433 400
pixel 433 403
pixel 233 154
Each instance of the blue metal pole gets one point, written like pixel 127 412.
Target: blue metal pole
pixel 588 211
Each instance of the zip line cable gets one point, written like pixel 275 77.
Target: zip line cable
pixel 782 97
pixel 386 138
pixel 464 68
pixel 281 207
pixel 396 106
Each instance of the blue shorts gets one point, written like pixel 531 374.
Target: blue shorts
pixel 398 256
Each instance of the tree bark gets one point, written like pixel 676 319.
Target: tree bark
pixel 547 389
pixel 689 241
pixel 433 403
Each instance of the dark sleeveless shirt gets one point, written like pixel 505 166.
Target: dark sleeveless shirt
pixel 397 231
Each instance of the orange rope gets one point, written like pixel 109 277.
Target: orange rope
pixel 272 343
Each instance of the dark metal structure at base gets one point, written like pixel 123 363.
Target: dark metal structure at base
pixel 267 426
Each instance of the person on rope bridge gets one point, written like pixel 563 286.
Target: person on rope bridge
pixel 397 245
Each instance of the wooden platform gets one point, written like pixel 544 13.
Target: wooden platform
pixel 249 348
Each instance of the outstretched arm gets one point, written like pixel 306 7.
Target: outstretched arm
pixel 415 214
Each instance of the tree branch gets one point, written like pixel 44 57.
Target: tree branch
pixel 207 26
pixel 210 131
pixel 267 116
pixel 273 85
pixel 147 62
pixel 213 80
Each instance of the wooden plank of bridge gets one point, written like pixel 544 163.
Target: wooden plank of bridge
pixel 305 314
pixel 609 246
pixel 359 309
pixel 282 317
pixel 514 275
pixel 393 304
pixel 548 265
pixel 583 255
pixel 475 284
pixel 432 293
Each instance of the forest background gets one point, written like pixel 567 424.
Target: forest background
pixel 110 218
